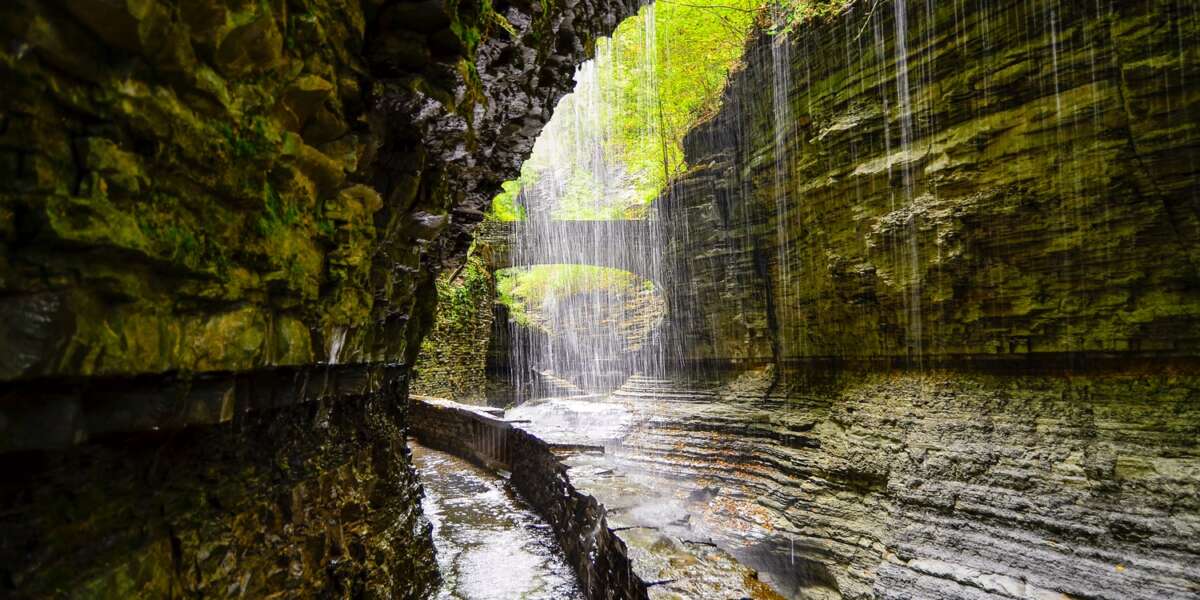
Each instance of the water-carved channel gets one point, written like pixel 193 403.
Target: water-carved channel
pixel 720 299
pixel 868 326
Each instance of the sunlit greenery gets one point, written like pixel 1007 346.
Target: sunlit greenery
pixel 524 290
pixel 648 105
pixel 504 206
pixel 788 14
pixel 615 144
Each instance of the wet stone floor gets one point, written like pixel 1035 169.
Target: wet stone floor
pixel 659 520
pixel 490 544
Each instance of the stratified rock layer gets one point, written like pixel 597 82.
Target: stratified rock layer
pixel 1009 179
pixel 944 484
pixel 959 250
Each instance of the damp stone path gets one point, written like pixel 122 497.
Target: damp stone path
pixel 490 545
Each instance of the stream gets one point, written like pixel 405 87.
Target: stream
pixel 490 545
pixel 663 521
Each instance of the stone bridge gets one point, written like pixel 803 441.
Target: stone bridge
pixel 621 245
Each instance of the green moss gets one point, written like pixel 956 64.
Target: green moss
pixel 504 206
pixel 277 213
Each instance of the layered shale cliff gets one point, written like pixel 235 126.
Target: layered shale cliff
pixel 945 258
pixel 220 226
pixel 996 181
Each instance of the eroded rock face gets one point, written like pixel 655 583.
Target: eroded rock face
pixel 1038 195
pixel 201 202
pixel 228 185
pixel 314 498
pixel 976 319
pixel 944 484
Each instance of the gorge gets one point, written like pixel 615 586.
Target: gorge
pixel 909 308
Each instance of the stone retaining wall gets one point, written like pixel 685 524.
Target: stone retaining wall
pixel 599 557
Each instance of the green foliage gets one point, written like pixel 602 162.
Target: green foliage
pixel 697 46
pixel 786 15
pixel 523 291
pixel 654 100
pixel 648 104
pixel 504 205
pixel 461 298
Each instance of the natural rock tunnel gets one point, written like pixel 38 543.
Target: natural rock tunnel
pixel 929 272
pixel 221 222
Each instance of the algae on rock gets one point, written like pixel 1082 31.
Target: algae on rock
pixel 221 222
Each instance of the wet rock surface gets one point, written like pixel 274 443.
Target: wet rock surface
pixel 934 485
pixel 1007 181
pixel 205 204
pixel 490 545
pixel 309 499
pixel 598 557
pixel 938 328
pixel 228 188
pixel 657 516
pixel 234 185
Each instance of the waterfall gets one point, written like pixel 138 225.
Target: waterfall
pixel 589 243
pixel 781 112
pixel 904 108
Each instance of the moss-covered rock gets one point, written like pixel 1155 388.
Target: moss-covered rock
pixel 283 158
pixel 1026 197
pixel 454 356
pixel 258 505
pixel 200 203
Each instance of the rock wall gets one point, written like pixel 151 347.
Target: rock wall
pixel 454 356
pixel 314 498
pixel 942 484
pixel 206 208
pixel 1028 186
pixel 954 310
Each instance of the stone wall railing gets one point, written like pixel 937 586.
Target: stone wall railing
pixel 599 558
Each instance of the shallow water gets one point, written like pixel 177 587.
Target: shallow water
pixel 660 519
pixel 490 545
